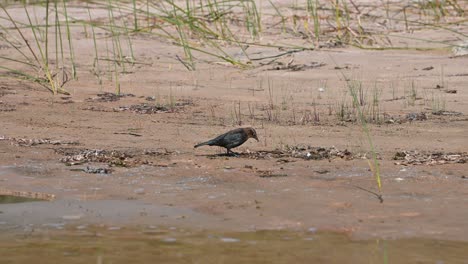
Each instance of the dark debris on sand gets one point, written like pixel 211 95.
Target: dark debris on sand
pixel 413 157
pixel 28 142
pixel 94 170
pixel 146 108
pixel 302 152
pixel 73 156
pixel 270 174
pixel 5 107
pixel 278 66
pixel 421 116
pixel 447 113
pixel 108 97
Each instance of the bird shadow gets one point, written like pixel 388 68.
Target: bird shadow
pixel 220 155
pixel 261 154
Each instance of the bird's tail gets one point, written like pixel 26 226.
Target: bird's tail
pixel 202 144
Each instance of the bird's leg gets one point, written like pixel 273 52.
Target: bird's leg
pixel 231 153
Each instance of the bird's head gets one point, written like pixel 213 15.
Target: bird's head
pixel 251 133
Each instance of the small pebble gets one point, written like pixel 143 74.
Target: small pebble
pixel 139 191
pixel 55 225
pixel 71 217
pixel 229 240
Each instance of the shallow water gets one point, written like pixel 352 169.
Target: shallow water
pixel 91 244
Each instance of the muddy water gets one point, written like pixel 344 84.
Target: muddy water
pixel 136 231
pixel 91 244
pixel 7 199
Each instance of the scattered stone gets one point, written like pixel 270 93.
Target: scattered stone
pixel 429 158
pixel 428 68
pixel 452 91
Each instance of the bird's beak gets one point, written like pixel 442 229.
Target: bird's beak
pixel 256 138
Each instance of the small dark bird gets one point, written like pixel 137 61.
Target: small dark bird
pixel 231 139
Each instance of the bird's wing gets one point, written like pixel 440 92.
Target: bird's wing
pixel 232 140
